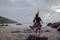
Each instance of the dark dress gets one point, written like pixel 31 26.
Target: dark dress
pixel 37 22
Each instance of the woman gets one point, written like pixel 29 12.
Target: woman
pixel 37 23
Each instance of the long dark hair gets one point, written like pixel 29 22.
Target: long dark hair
pixel 36 15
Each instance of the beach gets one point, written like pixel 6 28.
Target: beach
pixel 12 33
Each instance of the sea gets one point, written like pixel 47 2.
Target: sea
pixel 23 26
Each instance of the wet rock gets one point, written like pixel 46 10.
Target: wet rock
pixel 58 29
pixel 43 38
pixel 15 32
pixel 53 25
pixel 18 24
pixel 36 38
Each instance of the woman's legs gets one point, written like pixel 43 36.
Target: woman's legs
pixel 38 31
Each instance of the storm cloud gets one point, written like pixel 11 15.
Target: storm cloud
pixel 23 11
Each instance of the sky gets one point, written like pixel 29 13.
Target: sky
pixel 23 11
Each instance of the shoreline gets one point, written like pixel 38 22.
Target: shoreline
pixel 6 32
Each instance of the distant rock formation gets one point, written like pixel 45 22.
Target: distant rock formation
pixel 4 20
pixel 54 25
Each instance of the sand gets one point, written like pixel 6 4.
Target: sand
pixel 6 34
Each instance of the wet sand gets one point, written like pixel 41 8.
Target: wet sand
pixel 9 34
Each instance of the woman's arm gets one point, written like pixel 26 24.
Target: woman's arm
pixel 34 19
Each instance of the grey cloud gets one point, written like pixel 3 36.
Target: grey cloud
pixel 25 10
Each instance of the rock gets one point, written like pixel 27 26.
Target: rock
pixel 15 32
pixel 36 38
pixel 58 29
pixel 18 24
pixel 43 38
pixel 54 25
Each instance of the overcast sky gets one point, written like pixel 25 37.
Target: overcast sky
pixel 23 11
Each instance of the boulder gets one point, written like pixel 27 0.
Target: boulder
pixel 31 37
pixel 54 25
